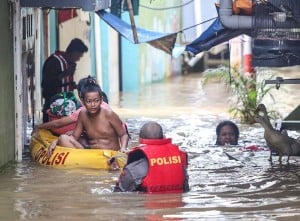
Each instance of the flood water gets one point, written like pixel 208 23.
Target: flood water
pixel 243 186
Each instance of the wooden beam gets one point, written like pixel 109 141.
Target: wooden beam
pixel 135 37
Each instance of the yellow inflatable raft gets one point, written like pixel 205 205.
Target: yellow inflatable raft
pixel 71 157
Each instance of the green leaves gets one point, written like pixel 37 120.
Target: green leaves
pixel 247 92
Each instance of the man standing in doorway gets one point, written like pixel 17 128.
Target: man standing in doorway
pixel 58 72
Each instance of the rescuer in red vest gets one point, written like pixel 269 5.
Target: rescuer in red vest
pixel 155 166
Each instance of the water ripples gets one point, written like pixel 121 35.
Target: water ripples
pixel 226 183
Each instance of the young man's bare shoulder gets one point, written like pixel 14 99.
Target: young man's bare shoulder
pixel 107 112
pixel 83 111
pixel 82 114
pixel 110 114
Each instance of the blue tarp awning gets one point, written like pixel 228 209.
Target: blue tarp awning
pixel 215 34
pixel 163 41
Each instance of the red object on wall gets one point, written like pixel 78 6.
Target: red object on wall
pixel 248 63
pixel 247 54
pixel 66 14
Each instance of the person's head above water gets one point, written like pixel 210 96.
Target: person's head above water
pixel 227 133
pixel 151 130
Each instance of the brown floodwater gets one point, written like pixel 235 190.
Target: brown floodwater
pixel 226 183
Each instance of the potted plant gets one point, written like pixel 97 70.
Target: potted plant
pixel 247 92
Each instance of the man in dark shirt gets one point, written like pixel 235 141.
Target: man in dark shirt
pixel 58 72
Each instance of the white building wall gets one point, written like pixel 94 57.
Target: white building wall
pixel 194 14
pixel 98 50
pixel 113 61
pixel 77 27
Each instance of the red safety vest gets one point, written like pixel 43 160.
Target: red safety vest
pixel 165 165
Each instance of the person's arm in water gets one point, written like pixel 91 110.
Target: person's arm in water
pixel 132 176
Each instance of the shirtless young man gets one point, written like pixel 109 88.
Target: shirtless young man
pixel 66 124
pixel 102 127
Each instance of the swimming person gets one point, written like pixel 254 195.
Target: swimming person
pixel 227 133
